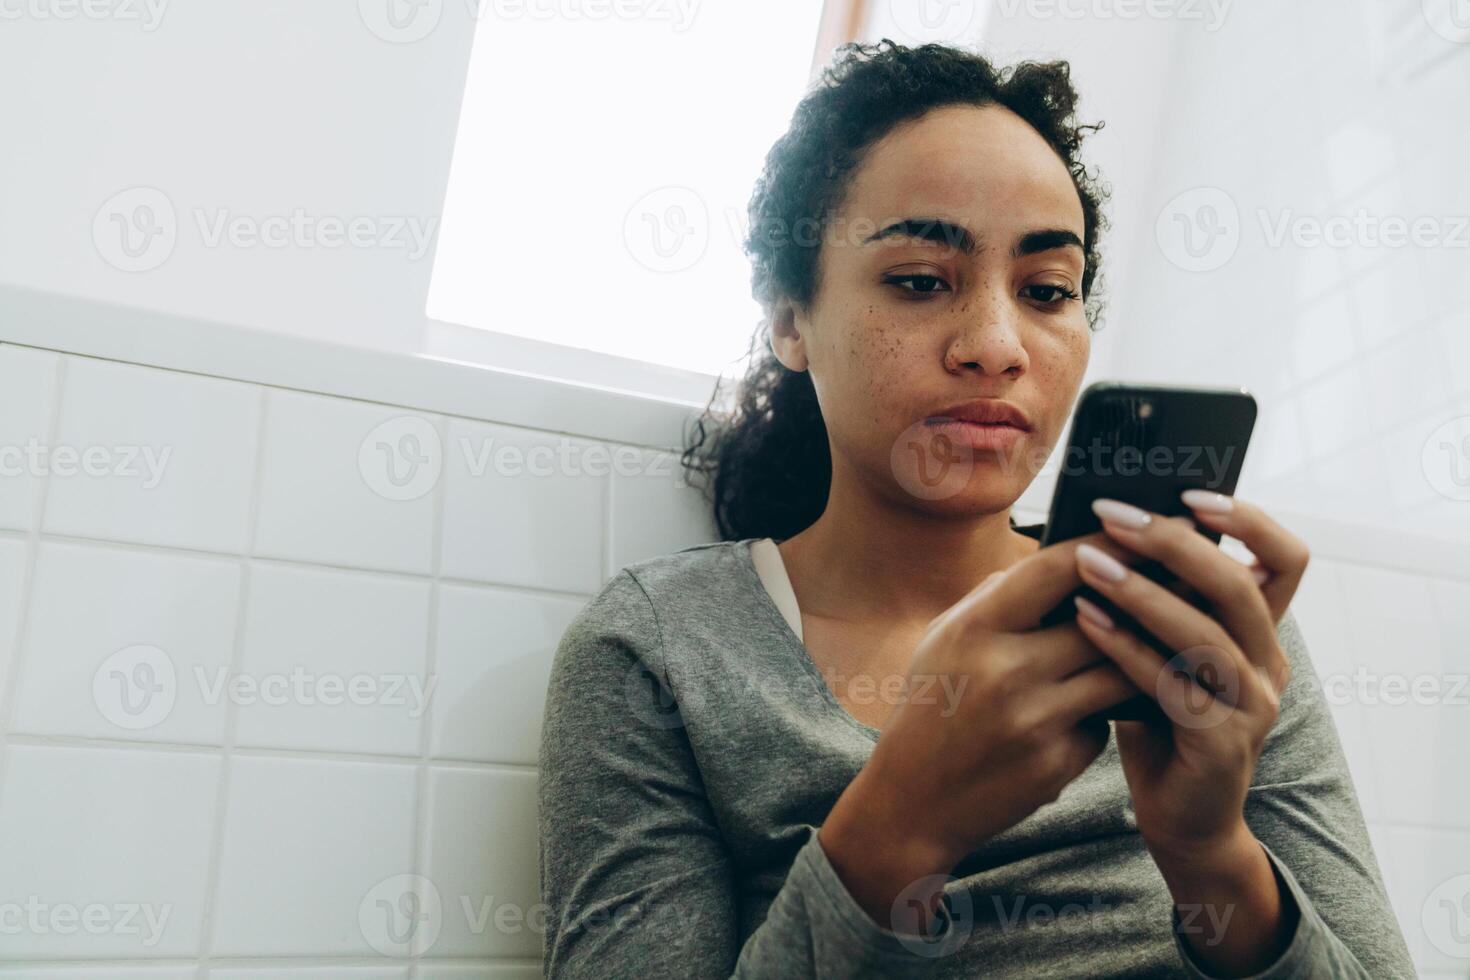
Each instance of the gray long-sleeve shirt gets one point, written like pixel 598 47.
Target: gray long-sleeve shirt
pixel 691 748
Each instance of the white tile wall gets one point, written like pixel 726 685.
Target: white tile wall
pixel 303 842
pixel 488 890
pixel 310 626
pixel 106 850
pixel 91 606
pixel 524 508
pixel 296 683
pixel 172 468
pixel 493 660
pixel 27 377
pixel 328 468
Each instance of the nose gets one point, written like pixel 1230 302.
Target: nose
pixel 988 339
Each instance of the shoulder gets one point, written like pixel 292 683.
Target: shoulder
pixel 1305 734
pixel 641 599
pixel 612 661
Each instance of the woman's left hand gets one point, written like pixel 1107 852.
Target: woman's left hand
pixel 1188 780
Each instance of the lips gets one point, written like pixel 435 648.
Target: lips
pixel 989 412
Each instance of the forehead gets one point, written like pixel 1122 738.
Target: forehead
pixel 982 163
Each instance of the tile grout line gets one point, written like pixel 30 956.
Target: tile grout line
pixel 33 547
pixel 656 401
pixel 419 845
pixel 28 579
pixel 89 743
pixel 268 561
pixel 208 921
pixel 267 962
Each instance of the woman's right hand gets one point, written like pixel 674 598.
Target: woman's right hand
pixel 957 765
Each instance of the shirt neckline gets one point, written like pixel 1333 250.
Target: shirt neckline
pixel 767 604
pixel 803 656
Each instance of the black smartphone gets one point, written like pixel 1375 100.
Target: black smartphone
pixel 1144 444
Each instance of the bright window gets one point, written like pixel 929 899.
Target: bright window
pixel 603 168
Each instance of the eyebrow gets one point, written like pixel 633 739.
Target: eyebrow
pixel 929 229
pixel 1045 241
pixel 958 236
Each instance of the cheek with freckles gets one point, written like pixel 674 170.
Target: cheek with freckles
pixel 1056 372
pixel 876 361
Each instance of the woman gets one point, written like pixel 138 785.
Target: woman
pixel 837 743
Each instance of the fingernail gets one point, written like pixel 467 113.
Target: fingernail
pixel 1260 574
pixel 1121 513
pixel 1092 612
pixel 1100 563
pixel 1208 501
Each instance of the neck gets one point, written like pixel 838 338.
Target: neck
pixel 891 563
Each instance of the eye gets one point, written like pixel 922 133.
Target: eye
pixel 1049 294
pixel 922 285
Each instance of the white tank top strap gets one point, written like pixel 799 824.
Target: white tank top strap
pixel 772 571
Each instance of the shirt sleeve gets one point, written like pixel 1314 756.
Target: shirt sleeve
pixel 636 879
pixel 1303 810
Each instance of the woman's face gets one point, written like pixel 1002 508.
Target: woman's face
pixel 989 308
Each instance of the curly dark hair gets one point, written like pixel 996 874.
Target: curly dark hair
pixel 769 458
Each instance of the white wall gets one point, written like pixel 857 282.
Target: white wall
pixel 245 110
pixel 274 829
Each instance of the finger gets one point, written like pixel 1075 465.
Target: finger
pixel 1184 701
pixel 1234 596
pixel 1057 652
pixel 1281 553
pixel 1022 594
pixel 1090 691
pixel 1190 634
